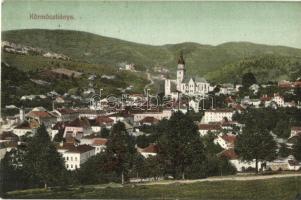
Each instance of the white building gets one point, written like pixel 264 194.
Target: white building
pixel 74 156
pixel 158 115
pixel 187 85
pixel 217 115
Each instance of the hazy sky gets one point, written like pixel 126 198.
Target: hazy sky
pixel 159 23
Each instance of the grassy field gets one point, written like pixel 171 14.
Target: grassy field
pixel 271 189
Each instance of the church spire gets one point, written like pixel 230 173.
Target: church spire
pixel 181 59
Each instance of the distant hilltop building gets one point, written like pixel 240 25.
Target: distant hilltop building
pixel 187 85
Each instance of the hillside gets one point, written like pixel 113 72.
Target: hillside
pixel 95 49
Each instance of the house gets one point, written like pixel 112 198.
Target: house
pixel 26 127
pixel 295 130
pixel 289 163
pixel 77 128
pixel 150 150
pixel 75 156
pixel 279 100
pixel 226 141
pixel 205 128
pixel 8 136
pixel 90 114
pixel 217 115
pixel 155 114
pixel 240 165
pixel 65 114
pixel 254 88
pixel 59 99
pixel 95 141
pixel 149 121
pixel 43 117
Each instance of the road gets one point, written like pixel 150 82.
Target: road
pixel 149 77
pixel 230 178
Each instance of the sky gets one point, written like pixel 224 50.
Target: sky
pixel 158 23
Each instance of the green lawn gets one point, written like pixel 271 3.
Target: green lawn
pixel 271 189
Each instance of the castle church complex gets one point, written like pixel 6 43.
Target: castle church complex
pixel 191 86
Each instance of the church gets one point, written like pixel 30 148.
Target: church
pixel 191 86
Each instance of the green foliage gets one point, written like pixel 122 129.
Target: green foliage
pixel 255 143
pixel 265 67
pixel 201 59
pixel 248 79
pixel 296 150
pixel 120 150
pixel 284 151
pixel 282 129
pixel 42 159
pixel 180 146
pixel 104 133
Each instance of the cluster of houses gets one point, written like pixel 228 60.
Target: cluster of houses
pixel 81 128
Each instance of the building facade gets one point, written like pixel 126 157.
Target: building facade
pixel 186 85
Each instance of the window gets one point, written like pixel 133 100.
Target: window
pixel 67 158
pixel 71 166
pixel 67 166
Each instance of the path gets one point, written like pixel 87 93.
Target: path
pixel 232 178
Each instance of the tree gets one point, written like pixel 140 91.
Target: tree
pixel 180 145
pixel 284 151
pixel 282 129
pixel 42 160
pixel 152 167
pixel 104 132
pixel 255 143
pixel 297 149
pixel 120 150
pixel 248 79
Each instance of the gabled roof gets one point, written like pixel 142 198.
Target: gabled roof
pixel 229 138
pixel 8 135
pixel 100 141
pixel 149 119
pixel 40 114
pixel 65 111
pixel 103 120
pixel 28 125
pixel 152 148
pixel 75 149
pixel 209 127
pixel 79 122
pixel 229 153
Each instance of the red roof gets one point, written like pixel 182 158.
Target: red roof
pixel 296 128
pixel 152 148
pixel 229 153
pixel 100 141
pixel 103 120
pixel 65 111
pixel 151 120
pixel 209 127
pixel 76 149
pixel 229 138
pixel 39 114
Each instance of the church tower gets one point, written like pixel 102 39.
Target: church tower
pixel 180 71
